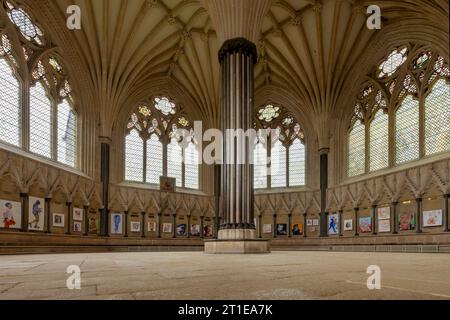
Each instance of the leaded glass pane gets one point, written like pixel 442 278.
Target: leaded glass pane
pixel 154 159
pixel 67 134
pixel 134 157
pixel 174 161
pixel 278 165
pixel 437 119
pixel 191 167
pixel 297 164
pixel 357 150
pixel 379 141
pixel 407 131
pixel 260 166
pixel 40 121
pixel 9 105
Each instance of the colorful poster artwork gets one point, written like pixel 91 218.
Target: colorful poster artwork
pixel 11 214
pixel 181 230
pixel 36 214
pixel 333 224
pixel 297 229
pixel 77 226
pixel 348 225
pixel 208 231
pixel 432 218
pixel 58 220
pixel 267 228
pixel 151 226
pixel 384 213
pixel 135 226
pixel 406 221
pixel 167 228
pixel 384 226
pixel 77 214
pixel 116 223
pixel 195 230
pixel 93 224
pixel 365 224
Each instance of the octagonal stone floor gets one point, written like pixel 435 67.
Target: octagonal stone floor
pixel 194 275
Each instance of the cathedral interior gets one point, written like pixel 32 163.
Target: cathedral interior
pixel 109 112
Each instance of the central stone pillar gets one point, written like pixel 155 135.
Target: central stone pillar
pixel 237 233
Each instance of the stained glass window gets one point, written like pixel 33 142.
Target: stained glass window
pixel 155 163
pixel 407 130
pixel 9 105
pixel 286 164
pixel 404 91
pixel 437 118
pixel 357 150
pixel 40 121
pixel 22 21
pixel 134 162
pixel 67 134
pixel 157 122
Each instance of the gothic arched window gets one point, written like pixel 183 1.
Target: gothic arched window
pixel 279 153
pixel 46 123
pixel 407 91
pixel 154 147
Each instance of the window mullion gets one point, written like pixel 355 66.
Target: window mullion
pixel 269 162
pixel 287 167
pixel 54 122
pixel 25 120
pixel 145 161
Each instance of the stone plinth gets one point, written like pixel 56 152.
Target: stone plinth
pixel 237 246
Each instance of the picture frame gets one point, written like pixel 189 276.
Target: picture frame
pixel 36 214
pixel 77 226
pixel 58 220
pixel 167 228
pixel 116 224
pixel 11 214
pixel 432 218
pixel 135 226
pixel 348 225
pixel 78 214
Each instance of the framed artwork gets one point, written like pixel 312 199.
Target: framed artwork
pixel 135 226
pixel 116 223
pixel 365 225
pixel 315 222
pixel 77 226
pixel 181 230
pixel 78 214
pixel 208 231
pixel 282 229
pixel 93 224
pixel 333 224
pixel 11 214
pixel 384 226
pixel 36 214
pixel 167 228
pixel 309 222
pixel 58 220
pixel 348 225
pixel 151 226
pixel 432 218
pixel 267 228
pixel 195 230
pixel 406 221
pixel 384 213
pixel 297 229
pixel 167 184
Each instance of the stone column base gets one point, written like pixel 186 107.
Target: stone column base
pixel 237 246
pixel 237 234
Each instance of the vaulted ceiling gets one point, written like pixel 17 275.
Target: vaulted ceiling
pixel 309 48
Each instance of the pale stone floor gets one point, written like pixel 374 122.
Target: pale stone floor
pixel 194 275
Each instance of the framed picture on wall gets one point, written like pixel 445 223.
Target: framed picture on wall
pixel 384 213
pixel 315 222
pixel 181 230
pixel 282 229
pixel 384 226
pixel 208 231
pixel 116 223
pixel 432 218
pixel 135 226
pixel 406 221
pixel 11 214
pixel 77 226
pixel 151 226
pixel 58 220
pixel 309 222
pixel 78 214
pixel 36 214
pixel 348 225
pixel 93 222
pixel 195 230
pixel 365 225
pixel 167 228
pixel 333 224
pixel 167 184
pixel 297 229
pixel 267 228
